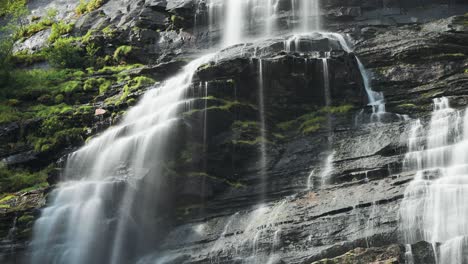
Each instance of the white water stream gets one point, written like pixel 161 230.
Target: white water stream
pixel 101 215
pixel 435 205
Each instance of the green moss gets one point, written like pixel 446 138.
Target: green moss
pixel 95 84
pixel 88 6
pixel 46 111
pixel 115 69
pixel 256 141
pixel 311 128
pixel 25 219
pixel 288 125
pixel 7 198
pixel 206 66
pixel 140 81
pixel 245 124
pixel 407 106
pixel 342 109
pixel 57 140
pixel 122 52
pixel 41 185
pixel 108 32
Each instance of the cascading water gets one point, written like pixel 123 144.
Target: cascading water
pixel 376 99
pixel 435 205
pixel 98 215
pixel 242 19
pixel 310 15
pixel 263 139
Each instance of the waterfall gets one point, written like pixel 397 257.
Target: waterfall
pixel 435 204
pixel 235 21
pixel 263 136
pixel 243 19
pixel 376 99
pixel 326 82
pixel 310 15
pixel 328 169
pixel 105 211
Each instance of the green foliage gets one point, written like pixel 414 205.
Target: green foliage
pixel 58 29
pixel 8 114
pixel 81 8
pixel 100 84
pixel 122 52
pixel 24 219
pixel 26 58
pixel 58 139
pixel 88 6
pixel 36 80
pixel 65 54
pixel 91 54
pixel 342 109
pixel 13 12
pixel 15 180
pixel 108 32
pixel 32 28
pixel 140 81
pixel 9 6
pixel 46 111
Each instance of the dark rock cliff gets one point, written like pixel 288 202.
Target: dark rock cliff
pixel 414 51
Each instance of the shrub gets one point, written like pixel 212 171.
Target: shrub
pixel 59 29
pixel 64 54
pixel 8 114
pixel 15 180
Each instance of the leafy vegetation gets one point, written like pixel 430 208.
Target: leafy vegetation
pixel 88 6
pixel 15 180
pixel 58 29
pixel 64 54
pixel 12 11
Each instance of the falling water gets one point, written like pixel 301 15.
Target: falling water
pixel 235 21
pixel 328 169
pixel 310 15
pixel 263 139
pixel 409 258
pixel 104 212
pixel 435 205
pixel 310 180
pixel 242 19
pixel 376 99
pixel 326 82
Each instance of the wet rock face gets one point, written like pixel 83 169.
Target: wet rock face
pixel 411 71
pixel 356 205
